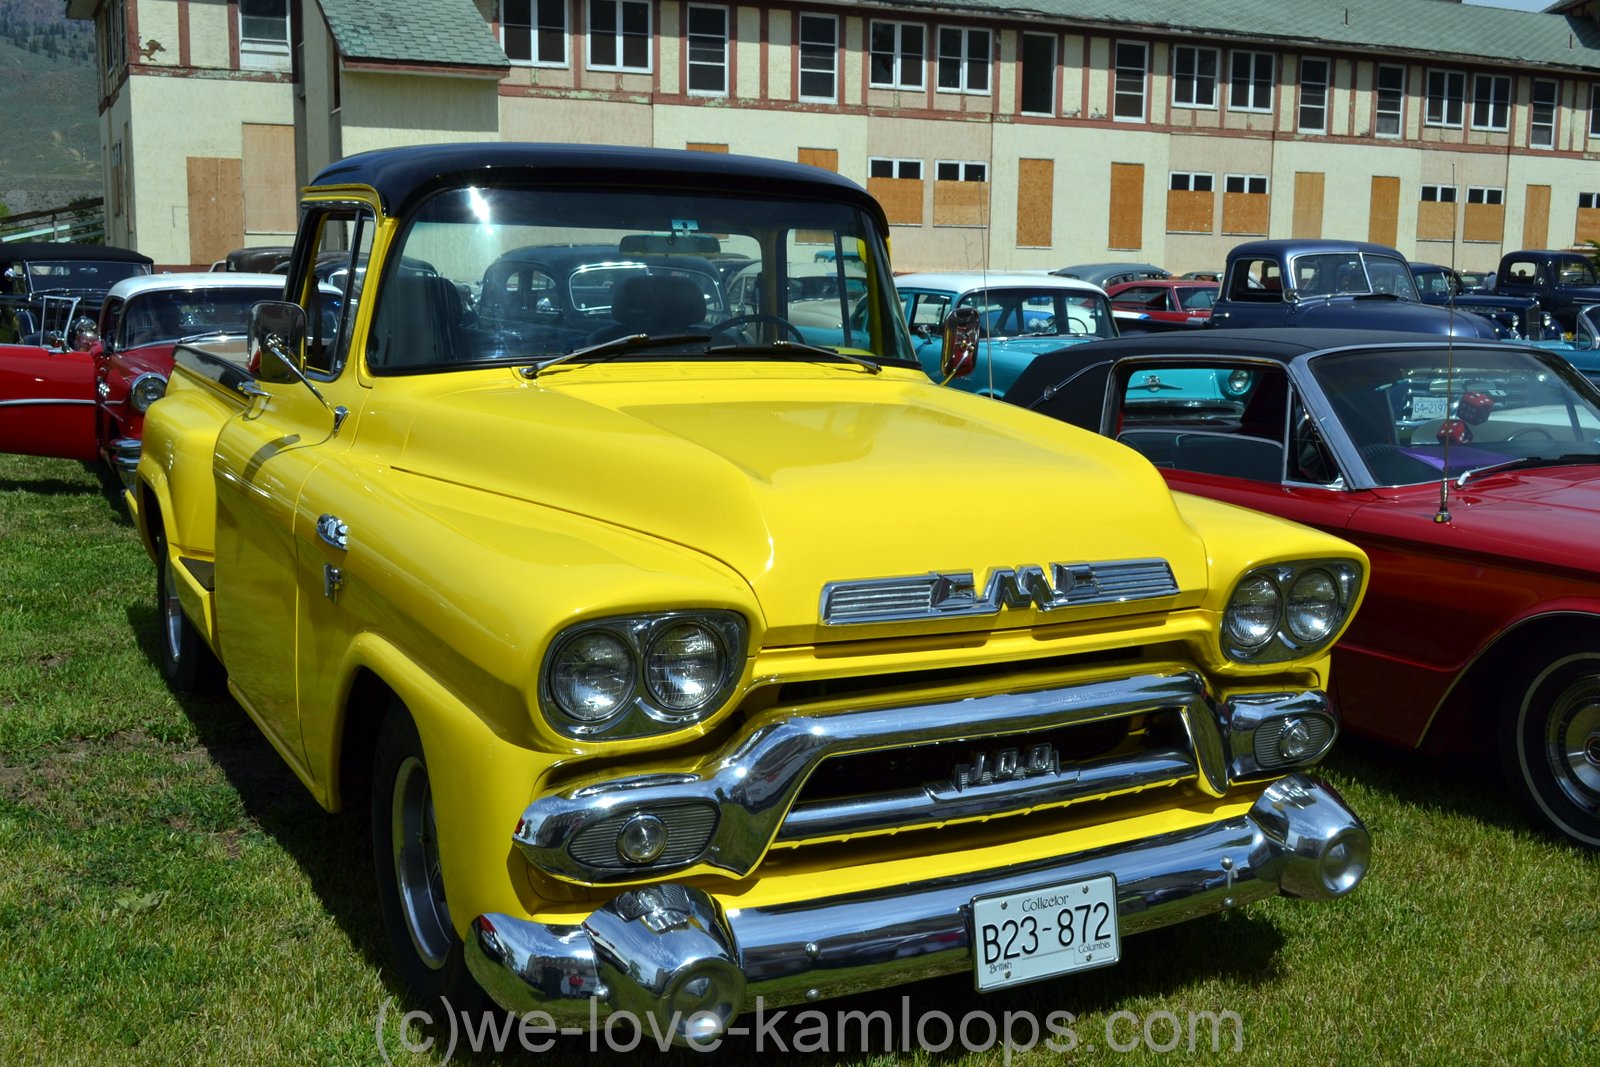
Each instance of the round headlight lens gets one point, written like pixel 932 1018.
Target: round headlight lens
pixel 1252 615
pixel 146 390
pixel 1239 382
pixel 1313 609
pixel 684 666
pixel 591 676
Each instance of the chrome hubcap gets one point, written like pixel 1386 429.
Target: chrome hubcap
pixel 171 613
pixel 416 863
pixel 1572 742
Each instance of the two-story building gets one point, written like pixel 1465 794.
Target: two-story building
pixel 1074 130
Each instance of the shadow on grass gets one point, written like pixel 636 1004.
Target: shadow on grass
pixel 101 479
pixel 1466 784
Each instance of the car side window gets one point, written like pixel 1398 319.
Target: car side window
pixel 331 290
pixel 1309 458
pixel 1256 281
pixel 1207 418
pixel 928 309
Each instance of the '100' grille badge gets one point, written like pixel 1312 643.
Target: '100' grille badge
pixel 952 595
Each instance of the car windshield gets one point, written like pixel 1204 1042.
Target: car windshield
pixel 528 275
pixel 1353 274
pixel 157 317
pixel 1417 414
pixel 46 276
pixel 1023 312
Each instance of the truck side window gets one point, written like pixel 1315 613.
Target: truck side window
pixel 1256 281
pixel 331 292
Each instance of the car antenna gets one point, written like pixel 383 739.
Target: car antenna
pixel 1445 428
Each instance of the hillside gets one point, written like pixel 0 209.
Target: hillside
pixel 49 97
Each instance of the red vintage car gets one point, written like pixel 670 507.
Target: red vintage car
pixel 86 396
pixel 1173 301
pixel 1468 471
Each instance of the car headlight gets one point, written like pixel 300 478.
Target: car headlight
pixel 641 674
pixel 1239 382
pixel 145 390
pixel 1288 610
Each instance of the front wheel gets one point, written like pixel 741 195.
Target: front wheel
pixel 428 954
pixel 1551 742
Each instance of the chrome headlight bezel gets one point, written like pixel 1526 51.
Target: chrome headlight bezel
pixel 145 390
pixel 1292 641
pixel 639 712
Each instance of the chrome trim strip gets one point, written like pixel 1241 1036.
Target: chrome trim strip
pixel 755 778
pixel 45 402
pixel 1299 839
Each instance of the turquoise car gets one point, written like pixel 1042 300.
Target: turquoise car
pixel 1020 316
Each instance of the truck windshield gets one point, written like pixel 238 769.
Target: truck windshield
pixel 525 275
pixel 1353 274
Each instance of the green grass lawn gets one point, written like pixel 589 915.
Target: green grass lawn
pixel 169 894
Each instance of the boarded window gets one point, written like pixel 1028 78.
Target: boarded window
pixel 1383 217
pixel 270 193
pixel 901 199
pixel 1190 211
pixel 1436 220
pixel 1536 219
pixel 1245 212
pixel 216 208
pixel 702 146
pixel 1308 188
pixel 960 203
pixel 1127 206
pixel 1484 222
pixel 1036 179
pixel 826 158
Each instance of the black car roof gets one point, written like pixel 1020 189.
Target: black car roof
pixel 400 175
pixel 22 251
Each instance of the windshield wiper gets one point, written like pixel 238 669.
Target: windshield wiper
pixel 616 347
pixel 798 350
pixel 1570 459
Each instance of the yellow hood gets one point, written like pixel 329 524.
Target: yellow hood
pixel 799 475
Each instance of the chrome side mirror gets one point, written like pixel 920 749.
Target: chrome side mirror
pixel 277 341
pixel 960 335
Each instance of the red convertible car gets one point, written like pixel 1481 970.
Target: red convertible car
pixel 1172 301
pixel 1468 471
pixel 89 400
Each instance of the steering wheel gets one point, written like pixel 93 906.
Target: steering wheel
pixel 740 321
pixel 1076 328
pixel 1529 432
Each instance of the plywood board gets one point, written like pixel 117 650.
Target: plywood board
pixel 901 198
pixel 1127 206
pixel 1383 218
pixel 1484 222
pixel 1246 213
pixel 1436 221
pixel 699 146
pixel 1190 212
pixel 1536 218
pixel 826 158
pixel 1308 190
pixel 270 194
pixel 960 203
pixel 216 208
pixel 1036 183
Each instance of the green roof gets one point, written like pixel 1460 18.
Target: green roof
pixel 1459 32
pixel 430 32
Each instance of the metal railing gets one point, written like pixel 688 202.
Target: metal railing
pixel 81 222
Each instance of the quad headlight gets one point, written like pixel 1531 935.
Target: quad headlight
pixel 1287 610
pixel 641 674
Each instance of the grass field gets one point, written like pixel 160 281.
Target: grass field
pixel 169 894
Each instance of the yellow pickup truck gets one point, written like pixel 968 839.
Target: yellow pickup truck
pixel 688 658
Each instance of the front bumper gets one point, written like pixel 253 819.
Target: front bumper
pixel 671 948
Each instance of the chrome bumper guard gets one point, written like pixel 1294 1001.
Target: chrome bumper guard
pixel 123 455
pixel 671 951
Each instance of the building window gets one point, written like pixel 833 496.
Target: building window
pixel 819 57
pixel 880 167
pixel 1594 111
pixel 1542 115
pixel 1439 194
pixel 1038 74
pixel 1491 102
pixel 1184 181
pixel 708 50
pixel 1245 183
pixel 1446 88
pixel 1483 194
pixel 1128 97
pixel 619 35
pixel 113 47
pixel 534 31
pixel 264 34
pixel 1194 76
pixel 1391 101
pixel 1250 81
pixel 1313 96
pixel 964 60
pixel 1588 200
pixel 897 55
pixel 945 170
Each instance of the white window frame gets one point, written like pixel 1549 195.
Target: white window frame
pixel 1497 102
pixel 1553 103
pixel 812 65
pixel 537 33
pixel 1326 87
pixel 264 53
pixel 1492 195
pixel 1186 181
pixel 709 44
pixel 1439 105
pixel 1186 86
pixel 1588 201
pixel 1055 66
pixel 1119 70
pixel 902 63
pixel 1252 80
pixel 1378 91
pixel 897 165
pixel 619 37
pixel 968 170
pixel 966 60
pixel 1437 194
pixel 1245 181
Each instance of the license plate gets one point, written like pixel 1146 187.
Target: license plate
pixel 1044 932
